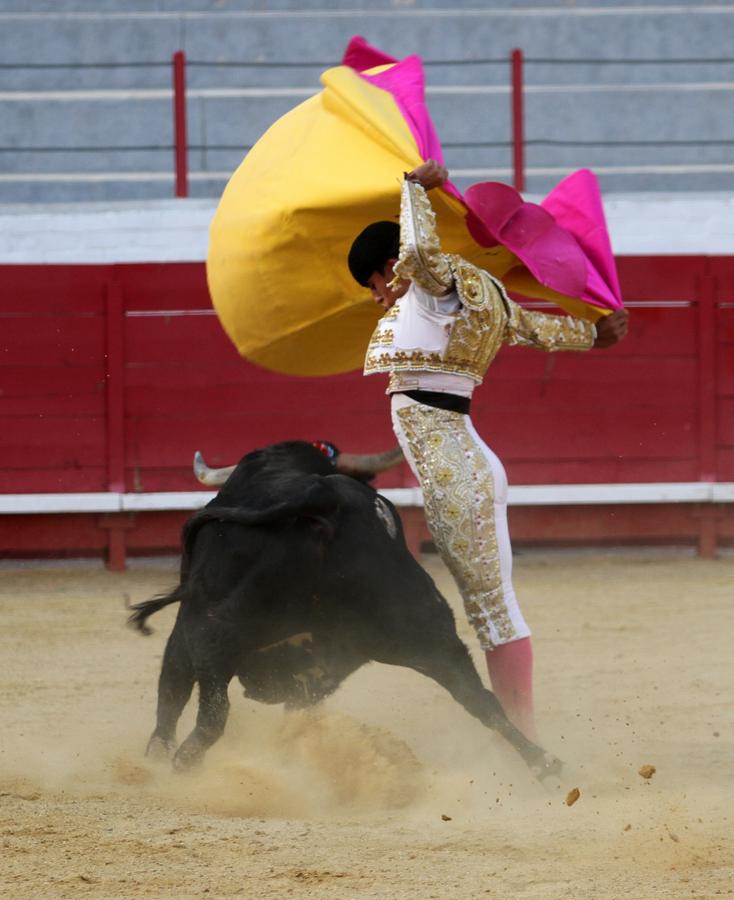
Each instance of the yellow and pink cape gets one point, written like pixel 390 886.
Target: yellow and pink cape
pixel 279 240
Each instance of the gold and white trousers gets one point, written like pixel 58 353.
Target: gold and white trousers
pixel 465 501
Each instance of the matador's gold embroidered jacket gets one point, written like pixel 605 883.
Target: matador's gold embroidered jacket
pixel 484 316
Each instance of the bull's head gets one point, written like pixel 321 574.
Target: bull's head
pixel 363 466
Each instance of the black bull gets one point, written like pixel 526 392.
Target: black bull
pixel 293 577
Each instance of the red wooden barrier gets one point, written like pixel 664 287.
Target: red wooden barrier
pixel 111 376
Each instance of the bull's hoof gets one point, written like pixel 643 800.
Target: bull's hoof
pixel 187 758
pixel 548 766
pixel 160 750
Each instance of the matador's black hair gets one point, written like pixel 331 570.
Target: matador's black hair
pixel 372 248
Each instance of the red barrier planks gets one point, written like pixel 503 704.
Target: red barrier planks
pixel 51 477
pixel 58 535
pixel 36 290
pixel 659 277
pixel 164 286
pixel 637 412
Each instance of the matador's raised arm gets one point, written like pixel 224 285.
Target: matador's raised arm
pixel 421 259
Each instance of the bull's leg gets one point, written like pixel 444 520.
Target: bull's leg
pixel 450 665
pixel 174 689
pixel 210 720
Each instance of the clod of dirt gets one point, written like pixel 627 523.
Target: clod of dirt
pixel 626 828
pixel 572 796
pixel 445 817
pixel 647 771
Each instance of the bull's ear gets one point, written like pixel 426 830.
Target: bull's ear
pixel 386 516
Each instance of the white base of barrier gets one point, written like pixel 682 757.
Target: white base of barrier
pixel 519 495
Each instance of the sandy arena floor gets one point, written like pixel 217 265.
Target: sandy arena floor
pixel 392 790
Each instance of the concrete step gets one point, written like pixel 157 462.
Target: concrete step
pixel 222 125
pixel 111 128
pixel 137 47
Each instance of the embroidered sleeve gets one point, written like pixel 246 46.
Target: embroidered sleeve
pixel 527 328
pixel 421 259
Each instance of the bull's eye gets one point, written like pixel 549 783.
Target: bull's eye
pixel 385 515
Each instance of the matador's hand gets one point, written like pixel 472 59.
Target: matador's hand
pixel 611 329
pixel 430 174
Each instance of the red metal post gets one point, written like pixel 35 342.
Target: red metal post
pixel 179 123
pixel 415 529
pixel 518 136
pixel 116 525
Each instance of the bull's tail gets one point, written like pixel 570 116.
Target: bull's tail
pixel 141 611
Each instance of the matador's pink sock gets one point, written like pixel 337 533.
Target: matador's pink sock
pixel 510 669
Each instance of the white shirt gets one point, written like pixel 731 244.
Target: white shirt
pixel 425 322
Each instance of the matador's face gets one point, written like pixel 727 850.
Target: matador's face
pixel 379 283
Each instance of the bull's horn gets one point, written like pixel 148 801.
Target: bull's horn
pixel 369 463
pixel 210 477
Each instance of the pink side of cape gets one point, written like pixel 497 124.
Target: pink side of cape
pixel 564 242
pixel 575 203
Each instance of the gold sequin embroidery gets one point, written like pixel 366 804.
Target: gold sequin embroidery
pixel 421 259
pixel 486 318
pixel 458 496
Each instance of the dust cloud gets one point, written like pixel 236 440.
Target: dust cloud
pixel 390 789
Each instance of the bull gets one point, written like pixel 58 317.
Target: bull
pixel 294 576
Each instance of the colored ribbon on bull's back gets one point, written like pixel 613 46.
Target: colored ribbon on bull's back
pixel 279 240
